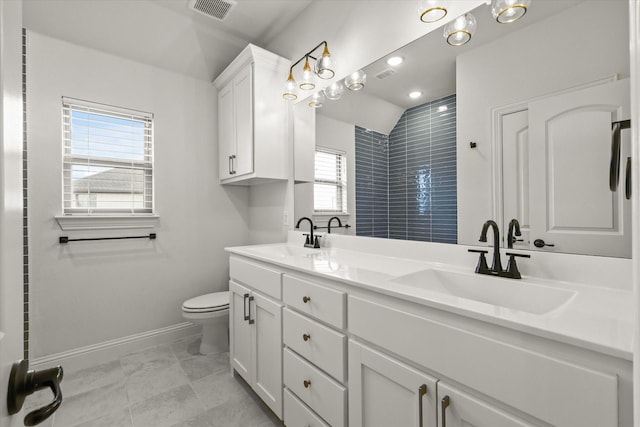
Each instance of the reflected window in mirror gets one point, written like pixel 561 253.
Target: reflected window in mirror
pixel 330 182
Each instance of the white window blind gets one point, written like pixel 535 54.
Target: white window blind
pixel 330 186
pixel 108 159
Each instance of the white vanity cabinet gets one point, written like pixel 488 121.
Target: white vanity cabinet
pixel 315 354
pixel 386 392
pixel 253 119
pixel 256 329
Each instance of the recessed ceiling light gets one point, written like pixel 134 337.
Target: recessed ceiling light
pixel 395 60
pixel 415 94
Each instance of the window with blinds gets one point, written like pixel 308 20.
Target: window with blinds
pixel 108 159
pixel 330 186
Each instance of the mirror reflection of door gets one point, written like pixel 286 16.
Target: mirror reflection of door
pixel 556 159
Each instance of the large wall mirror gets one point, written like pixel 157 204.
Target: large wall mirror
pixel 517 123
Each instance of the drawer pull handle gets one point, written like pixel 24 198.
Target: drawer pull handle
pixel 306 299
pixel 306 337
pixel 444 404
pixel 306 383
pixel 246 298
pixel 251 321
pixel 421 392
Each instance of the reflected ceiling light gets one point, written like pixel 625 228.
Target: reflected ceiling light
pixel 507 11
pixel 290 88
pixel 307 82
pixel 415 94
pixel 460 30
pixel 334 92
pixel 395 60
pixel 323 68
pixel 316 100
pixel 442 108
pixel 356 80
pixel 432 10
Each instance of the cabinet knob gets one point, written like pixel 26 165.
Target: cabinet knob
pixel 306 337
pixel 306 383
pixel 306 299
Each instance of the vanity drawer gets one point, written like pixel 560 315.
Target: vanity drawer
pixel 556 391
pixel 322 394
pixel 320 345
pixel 297 414
pixel 315 300
pixel 260 278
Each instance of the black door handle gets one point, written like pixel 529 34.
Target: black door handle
pixel 627 180
pixel 23 382
pixel 614 166
pixel 539 243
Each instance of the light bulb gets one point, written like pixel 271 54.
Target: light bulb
pixel 356 80
pixel 507 11
pixel 334 92
pixel 432 10
pixel 325 65
pixel 290 88
pixel 316 100
pixel 415 94
pixel 460 30
pixel 395 60
pixel 307 82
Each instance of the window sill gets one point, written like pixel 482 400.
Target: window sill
pixel 95 222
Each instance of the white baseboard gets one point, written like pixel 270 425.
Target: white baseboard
pixel 82 357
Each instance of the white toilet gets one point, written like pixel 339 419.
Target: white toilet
pixel 212 312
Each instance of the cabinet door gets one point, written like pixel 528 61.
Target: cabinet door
pixel 458 409
pixel 267 335
pixel 385 392
pixel 240 331
pixel 243 100
pixel 226 131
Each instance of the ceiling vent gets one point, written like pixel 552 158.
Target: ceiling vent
pixel 217 9
pixel 385 73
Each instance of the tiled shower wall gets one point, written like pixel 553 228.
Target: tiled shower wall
pixel 417 185
pixel 25 229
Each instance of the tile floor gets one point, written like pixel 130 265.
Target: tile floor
pixel 164 386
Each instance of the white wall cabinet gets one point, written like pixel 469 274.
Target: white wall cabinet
pixel 256 334
pixel 253 119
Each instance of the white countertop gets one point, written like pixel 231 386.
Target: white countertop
pixel 596 318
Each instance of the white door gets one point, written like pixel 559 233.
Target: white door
pixel 458 409
pixel 240 330
pixel 384 392
pixel 267 335
pixel 11 294
pixel 572 207
pixel 515 174
pixel 226 132
pixel 243 99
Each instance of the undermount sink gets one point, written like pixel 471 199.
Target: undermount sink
pixel 508 293
pixel 281 251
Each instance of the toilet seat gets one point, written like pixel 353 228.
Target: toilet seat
pixel 208 303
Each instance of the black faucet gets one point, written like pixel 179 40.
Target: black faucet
pixel 329 223
pixel 496 269
pixel 497 264
pixel 311 241
pixel 513 225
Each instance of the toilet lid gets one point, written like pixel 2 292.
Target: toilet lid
pixel 213 301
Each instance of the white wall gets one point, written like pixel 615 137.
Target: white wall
pixel 341 136
pixel 88 293
pixel 537 60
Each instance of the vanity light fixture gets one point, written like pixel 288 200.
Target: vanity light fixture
pixel 317 100
pixel 507 11
pixel 460 30
pixel 415 94
pixel 334 92
pixel 432 10
pixel 323 68
pixel 355 81
pixel 395 60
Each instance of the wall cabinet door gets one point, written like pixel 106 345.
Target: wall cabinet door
pixel 226 131
pixel 458 409
pixel 256 343
pixel 385 392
